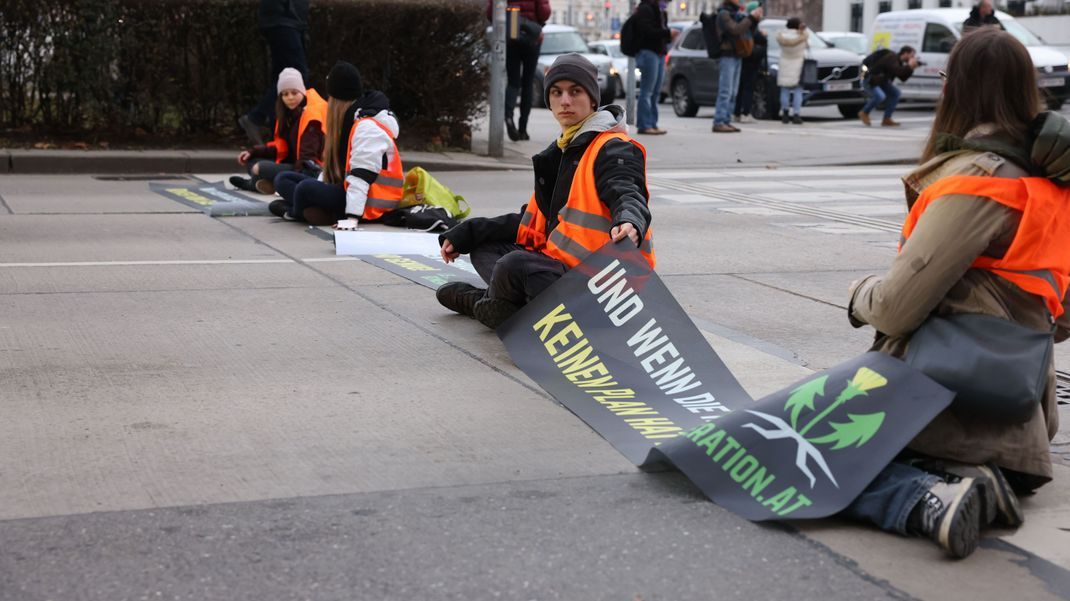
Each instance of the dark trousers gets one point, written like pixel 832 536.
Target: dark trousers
pixel 269 170
pixel 747 78
pixel 301 192
pixel 514 273
pixel 287 46
pixel 521 60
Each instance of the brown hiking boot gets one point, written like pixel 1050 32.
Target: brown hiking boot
pixel 724 128
pixel 460 297
pixel 864 118
pixel 889 123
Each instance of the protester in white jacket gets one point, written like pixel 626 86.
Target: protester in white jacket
pixel 793 44
pixel 362 176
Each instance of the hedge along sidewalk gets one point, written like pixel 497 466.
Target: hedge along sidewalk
pixel 58 162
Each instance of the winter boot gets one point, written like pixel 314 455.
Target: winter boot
pixel 279 208
pixel 511 131
pixel 242 183
pixel 864 118
pixel 785 118
pixel 797 119
pixel 493 312
pixel 950 515
pixel 888 122
pixel 460 297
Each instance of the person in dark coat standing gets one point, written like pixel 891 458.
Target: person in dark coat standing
pixel 732 24
pixel 879 81
pixel 284 24
pixel 749 70
pixel 521 60
pixel 654 35
pixel 982 15
pixel 590 188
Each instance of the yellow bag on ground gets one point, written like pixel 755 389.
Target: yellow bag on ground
pixel 422 189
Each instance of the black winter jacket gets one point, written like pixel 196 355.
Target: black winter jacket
pixel 975 20
pixel 620 177
pixel 283 13
pixel 651 27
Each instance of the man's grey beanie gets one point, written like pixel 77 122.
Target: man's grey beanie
pixel 572 67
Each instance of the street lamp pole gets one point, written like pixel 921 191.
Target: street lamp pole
pixel 496 143
pixel 629 94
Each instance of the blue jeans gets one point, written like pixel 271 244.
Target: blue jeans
pixel 889 499
pixel 652 73
pixel 796 97
pixel 727 87
pixel 882 92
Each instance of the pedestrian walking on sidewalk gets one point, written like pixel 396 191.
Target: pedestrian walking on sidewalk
pixel 300 115
pixel 590 188
pixel 883 67
pixel 733 26
pixel 284 25
pixel 749 70
pixel 653 36
pixel 362 176
pixel 521 60
pixel 794 41
pixel 985 235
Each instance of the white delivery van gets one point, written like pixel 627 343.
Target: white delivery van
pixel 933 32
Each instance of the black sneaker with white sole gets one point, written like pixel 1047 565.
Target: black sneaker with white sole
pixel 950 514
pixel 279 208
pixel 242 183
pixel 1001 504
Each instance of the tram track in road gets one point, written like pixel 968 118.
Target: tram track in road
pixel 778 205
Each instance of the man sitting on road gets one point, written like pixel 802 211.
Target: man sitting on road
pixel 884 67
pixel 982 15
pixel 590 188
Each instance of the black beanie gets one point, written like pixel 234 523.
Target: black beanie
pixel 573 67
pixel 343 82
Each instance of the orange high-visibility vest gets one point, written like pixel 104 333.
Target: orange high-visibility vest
pixel 583 224
pixel 385 194
pixel 1038 260
pixel 315 110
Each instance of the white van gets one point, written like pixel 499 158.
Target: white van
pixel 932 32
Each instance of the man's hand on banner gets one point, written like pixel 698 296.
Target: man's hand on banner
pixel 448 254
pixel 619 232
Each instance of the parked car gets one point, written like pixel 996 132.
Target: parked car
pixel 847 40
pixel 562 39
pixel 933 32
pixel 830 76
pixel 619 73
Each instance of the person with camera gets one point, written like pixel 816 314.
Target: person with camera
pixel 883 67
pixel 733 25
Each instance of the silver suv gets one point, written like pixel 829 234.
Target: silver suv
pixel 830 76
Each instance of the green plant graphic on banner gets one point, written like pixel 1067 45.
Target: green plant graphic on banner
pixel 856 431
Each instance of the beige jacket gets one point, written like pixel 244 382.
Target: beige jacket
pixel 932 273
pixel 793 45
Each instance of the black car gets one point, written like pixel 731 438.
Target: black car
pixel 830 76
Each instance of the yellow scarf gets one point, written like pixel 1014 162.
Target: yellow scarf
pixel 570 132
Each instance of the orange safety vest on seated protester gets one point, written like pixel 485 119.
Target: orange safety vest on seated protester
pixel 1038 260
pixel 315 110
pixel 385 194
pixel 583 224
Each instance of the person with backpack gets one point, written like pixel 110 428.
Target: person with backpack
pixel 793 44
pixel 590 188
pixel 652 37
pixel 985 237
pixel 362 173
pixel 732 26
pixel 521 60
pixel 298 141
pixel 882 68
pixel 749 70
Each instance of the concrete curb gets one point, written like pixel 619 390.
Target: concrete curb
pixel 32 161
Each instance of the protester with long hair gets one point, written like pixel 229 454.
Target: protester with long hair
pixel 962 238
pixel 298 141
pixel 362 175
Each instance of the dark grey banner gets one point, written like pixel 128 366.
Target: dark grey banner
pixel 213 199
pixel 610 342
pixel 426 270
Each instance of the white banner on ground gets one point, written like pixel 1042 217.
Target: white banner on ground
pixel 352 243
